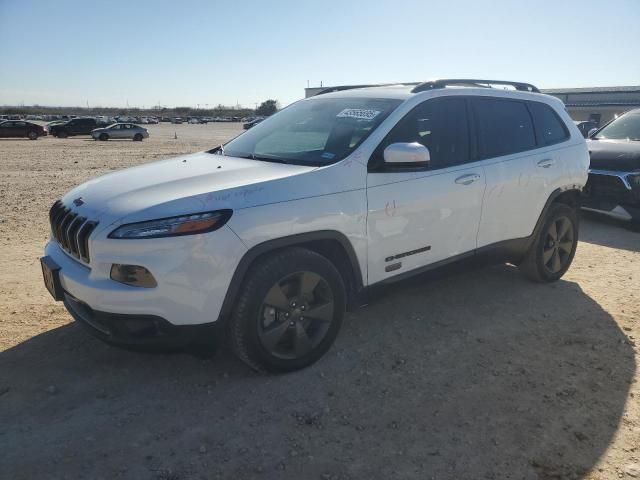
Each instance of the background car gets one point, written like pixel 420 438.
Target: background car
pixel 120 130
pixel 76 126
pixel 585 126
pixel 252 123
pixel 20 128
pixel 613 188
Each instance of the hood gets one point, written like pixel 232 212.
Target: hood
pixel 187 184
pixel 616 155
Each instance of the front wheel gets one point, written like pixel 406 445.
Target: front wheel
pixel 554 247
pixel 289 312
pixel 104 137
pixel 32 135
pixel 137 137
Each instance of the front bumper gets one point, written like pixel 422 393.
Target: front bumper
pixel 147 332
pixel 193 274
pixel 613 193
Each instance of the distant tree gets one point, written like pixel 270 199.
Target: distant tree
pixel 268 107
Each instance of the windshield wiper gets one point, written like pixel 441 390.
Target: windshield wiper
pixel 263 158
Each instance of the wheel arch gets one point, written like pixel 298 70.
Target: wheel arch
pixel 568 196
pixel 331 244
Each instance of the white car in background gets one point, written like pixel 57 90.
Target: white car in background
pixel 274 234
pixel 120 131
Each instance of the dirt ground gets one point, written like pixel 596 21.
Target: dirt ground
pixel 474 374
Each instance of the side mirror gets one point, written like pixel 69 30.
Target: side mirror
pixel 591 132
pixel 407 154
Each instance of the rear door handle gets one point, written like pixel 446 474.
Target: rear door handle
pixel 468 179
pixel 546 163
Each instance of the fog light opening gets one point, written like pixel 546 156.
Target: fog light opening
pixel 133 275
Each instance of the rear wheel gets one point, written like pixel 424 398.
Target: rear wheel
pixel 32 135
pixel 289 312
pixel 137 137
pixel 554 247
pixel 104 137
pixel 62 134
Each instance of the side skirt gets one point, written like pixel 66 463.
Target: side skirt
pixel 509 251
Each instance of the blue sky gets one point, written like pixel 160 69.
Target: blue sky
pixel 192 52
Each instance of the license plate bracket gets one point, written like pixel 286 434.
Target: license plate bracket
pixel 51 277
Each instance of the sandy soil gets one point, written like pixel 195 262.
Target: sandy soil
pixel 472 374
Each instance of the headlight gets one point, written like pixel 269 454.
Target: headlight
pixel 174 226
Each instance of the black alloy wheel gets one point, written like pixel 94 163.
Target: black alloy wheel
pixel 558 244
pixel 553 246
pixel 295 315
pixel 288 312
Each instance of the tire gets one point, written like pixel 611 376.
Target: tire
pixel 62 134
pixel 104 137
pixel 267 329
pixel 32 135
pixel 137 137
pixel 549 258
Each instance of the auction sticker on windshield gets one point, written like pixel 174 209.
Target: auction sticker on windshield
pixel 358 113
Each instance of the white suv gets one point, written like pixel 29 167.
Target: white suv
pixel 274 234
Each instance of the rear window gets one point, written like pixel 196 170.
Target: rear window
pixel 504 127
pixel 549 127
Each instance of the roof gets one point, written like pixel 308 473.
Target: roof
pixel 559 91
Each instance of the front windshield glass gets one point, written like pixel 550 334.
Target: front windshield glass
pixel 314 132
pixel 626 127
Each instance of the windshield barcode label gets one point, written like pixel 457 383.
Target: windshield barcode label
pixel 358 113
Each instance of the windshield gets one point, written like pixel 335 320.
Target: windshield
pixel 626 127
pixel 313 132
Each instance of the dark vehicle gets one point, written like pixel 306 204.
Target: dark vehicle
pixel 614 175
pixel 252 123
pixel 20 128
pixel 77 126
pixel 585 126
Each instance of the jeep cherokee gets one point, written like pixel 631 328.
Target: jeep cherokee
pixel 273 234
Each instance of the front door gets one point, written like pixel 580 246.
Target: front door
pixel 420 217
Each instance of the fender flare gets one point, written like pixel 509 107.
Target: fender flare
pixel 571 190
pixel 301 240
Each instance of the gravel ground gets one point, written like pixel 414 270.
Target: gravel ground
pixel 472 374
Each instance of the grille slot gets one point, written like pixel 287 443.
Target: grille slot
pixel 71 230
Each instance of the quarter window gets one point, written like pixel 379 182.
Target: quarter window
pixel 504 127
pixel 440 125
pixel 549 127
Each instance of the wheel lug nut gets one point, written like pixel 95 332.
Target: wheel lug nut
pixel 303 307
pixel 293 304
pixel 301 319
pixel 286 315
pixel 292 323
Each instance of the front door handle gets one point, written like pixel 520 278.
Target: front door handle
pixel 468 179
pixel 546 163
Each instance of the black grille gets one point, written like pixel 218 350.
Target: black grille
pixel 71 230
pixel 608 186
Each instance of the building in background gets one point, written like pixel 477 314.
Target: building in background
pixel 598 104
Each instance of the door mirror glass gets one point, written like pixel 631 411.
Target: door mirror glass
pixel 408 154
pixel 591 132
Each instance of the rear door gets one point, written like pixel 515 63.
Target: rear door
pixel 521 166
pixel 19 129
pixel 421 216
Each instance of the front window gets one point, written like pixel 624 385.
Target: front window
pixel 313 132
pixel 626 127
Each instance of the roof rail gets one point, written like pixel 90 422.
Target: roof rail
pixel 352 87
pixel 442 83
